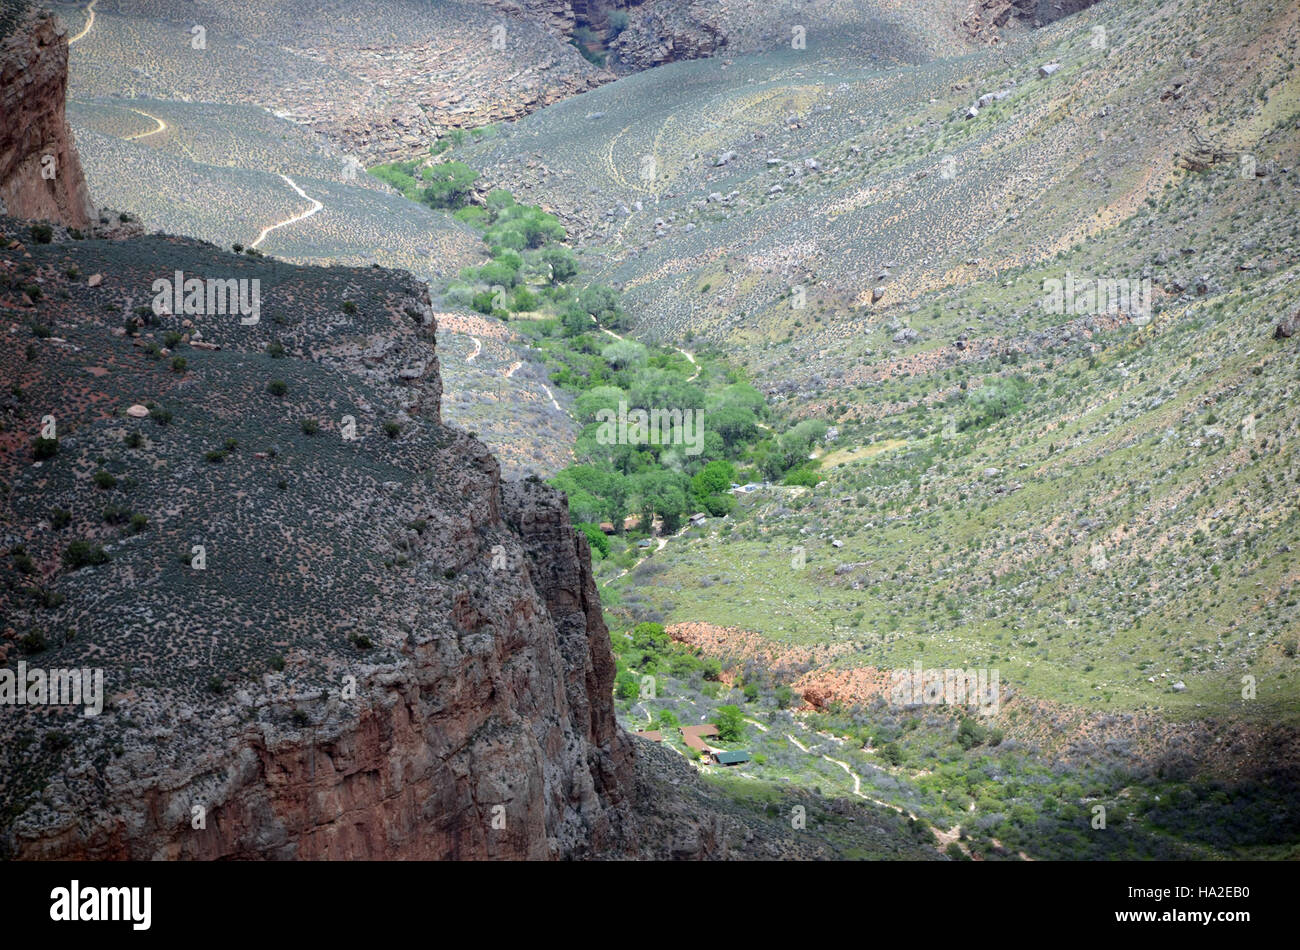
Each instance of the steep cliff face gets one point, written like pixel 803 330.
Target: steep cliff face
pixel 40 173
pixel 389 652
pixel 555 16
pixel 986 18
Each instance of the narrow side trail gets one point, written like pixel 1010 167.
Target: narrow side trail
pixel 161 126
pixel 550 395
pixel 945 838
pixel 688 355
pixel 89 23
pixel 316 206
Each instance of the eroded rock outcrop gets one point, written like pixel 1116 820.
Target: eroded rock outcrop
pixel 40 172
pixel 389 652
pixel 986 18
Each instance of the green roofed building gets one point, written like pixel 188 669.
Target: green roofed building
pixel 730 758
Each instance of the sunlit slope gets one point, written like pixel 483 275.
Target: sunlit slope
pixel 217 172
pixel 806 168
pixel 1102 505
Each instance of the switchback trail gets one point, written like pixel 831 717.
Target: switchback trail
pixel 689 356
pixel 89 23
pixel 144 135
pixel 316 206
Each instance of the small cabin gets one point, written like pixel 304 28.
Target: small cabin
pixel 736 757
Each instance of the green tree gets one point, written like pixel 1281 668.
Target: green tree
pixel 736 425
pixel 650 636
pixel 596 537
pixel 602 303
pixel 624 354
pixel 741 396
pixel 447 185
pixel 662 494
pixel 627 685
pixel 575 320
pixel 719 506
pixel 714 479
pixel 562 263
pixel 594 400
pixel 730 722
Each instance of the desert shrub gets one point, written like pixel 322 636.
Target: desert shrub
pixel 993 401
pixel 117 514
pixel 81 554
pixel 33 642
pixel 970 733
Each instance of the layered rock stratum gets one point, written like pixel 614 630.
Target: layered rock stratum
pixel 334 634
pixel 40 172
pixel 386 651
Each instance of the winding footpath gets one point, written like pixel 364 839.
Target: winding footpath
pixel 316 206
pixel 161 126
pixel 945 838
pixel 478 348
pixel 89 23
pixel 550 395
pixel 144 135
pixel 689 356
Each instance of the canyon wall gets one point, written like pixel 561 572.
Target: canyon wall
pixel 40 173
pixel 390 652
